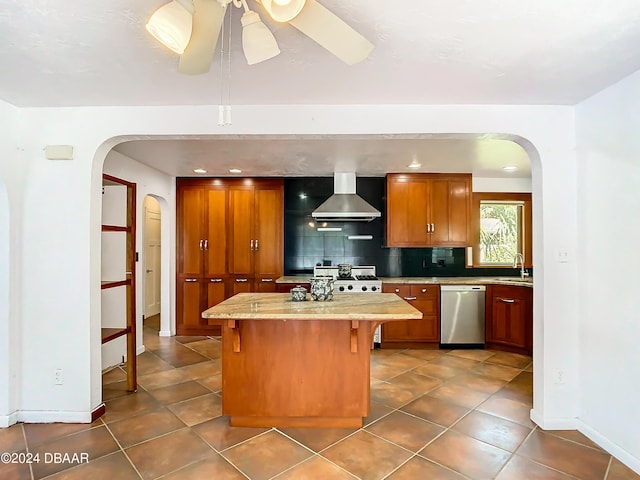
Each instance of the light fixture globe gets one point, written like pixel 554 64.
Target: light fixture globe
pixel 283 10
pixel 258 43
pixel 171 25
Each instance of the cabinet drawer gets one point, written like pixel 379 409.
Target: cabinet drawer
pixel 401 290
pixel 425 290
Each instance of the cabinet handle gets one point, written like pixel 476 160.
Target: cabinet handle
pixel 206 244
pixel 191 280
pixel 507 300
pixel 397 290
pixel 256 245
pixel 201 243
pixel 424 290
pixel 242 280
pixel 433 228
pixel 267 280
pixel 251 245
pixel 215 280
pixel 428 228
pixel 410 298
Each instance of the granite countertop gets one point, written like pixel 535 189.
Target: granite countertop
pixel 346 306
pixel 527 282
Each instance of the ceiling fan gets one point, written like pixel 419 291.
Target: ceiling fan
pixel 191 28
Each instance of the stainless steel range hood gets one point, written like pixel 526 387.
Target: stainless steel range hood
pixel 345 205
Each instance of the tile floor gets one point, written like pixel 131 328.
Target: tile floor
pixel 435 415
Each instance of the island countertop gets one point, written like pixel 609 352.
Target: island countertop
pixel 344 306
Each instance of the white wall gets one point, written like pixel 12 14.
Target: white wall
pixel 608 143
pixel 510 185
pixel 61 306
pixel 13 170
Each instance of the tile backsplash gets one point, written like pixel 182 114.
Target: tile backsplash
pixel 305 246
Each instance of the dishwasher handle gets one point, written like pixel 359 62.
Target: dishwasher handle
pixel 463 288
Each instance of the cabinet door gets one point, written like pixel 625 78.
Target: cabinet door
pixel 425 298
pixel 215 291
pixel 508 318
pixel 241 285
pixel 396 331
pixel 265 284
pixel 216 227
pixel 459 212
pixel 242 238
pixel 269 212
pixel 191 208
pixel 449 211
pixel 190 308
pixel 407 215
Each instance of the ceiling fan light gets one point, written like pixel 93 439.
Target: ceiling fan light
pixel 283 10
pixel 171 25
pixel 258 43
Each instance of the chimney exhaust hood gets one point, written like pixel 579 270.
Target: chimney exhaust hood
pixel 345 205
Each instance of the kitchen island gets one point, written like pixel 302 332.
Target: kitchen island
pixel 300 364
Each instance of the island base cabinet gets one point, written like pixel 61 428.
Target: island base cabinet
pixel 279 378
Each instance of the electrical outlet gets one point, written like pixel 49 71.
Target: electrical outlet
pixel 58 376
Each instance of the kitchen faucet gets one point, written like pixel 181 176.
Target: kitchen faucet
pixel 523 272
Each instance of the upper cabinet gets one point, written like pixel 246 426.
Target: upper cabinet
pixel 428 210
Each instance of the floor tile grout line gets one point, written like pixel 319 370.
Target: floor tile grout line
pixel 513 454
pixel 123 451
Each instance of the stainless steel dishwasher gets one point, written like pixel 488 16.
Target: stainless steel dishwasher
pixel 462 322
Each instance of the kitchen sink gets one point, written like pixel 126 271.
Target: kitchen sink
pixel 513 279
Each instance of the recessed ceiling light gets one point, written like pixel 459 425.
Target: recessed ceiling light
pixel 414 164
pixel 199 170
pixel 302 196
pixel 235 170
pixel 510 168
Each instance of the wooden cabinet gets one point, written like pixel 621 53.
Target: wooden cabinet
pixel 428 210
pixel 414 333
pixel 509 316
pixel 229 240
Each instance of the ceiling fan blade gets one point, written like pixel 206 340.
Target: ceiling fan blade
pixel 207 23
pixel 332 33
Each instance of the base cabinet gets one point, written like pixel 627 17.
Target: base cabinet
pixel 414 333
pixel 509 318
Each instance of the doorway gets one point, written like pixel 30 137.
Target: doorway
pixel 152 261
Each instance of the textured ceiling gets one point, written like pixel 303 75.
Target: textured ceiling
pixel 62 53
pixel 59 53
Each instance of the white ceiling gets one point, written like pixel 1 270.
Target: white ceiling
pixel 58 53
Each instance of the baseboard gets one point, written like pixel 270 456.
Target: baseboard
pixel 553 423
pixel 620 453
pixel 140 350
pixel 8 420
pixel 44 416
pixel 165 333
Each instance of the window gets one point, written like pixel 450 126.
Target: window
pixel 502 228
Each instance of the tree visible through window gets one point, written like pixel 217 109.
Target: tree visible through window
pixel 500 232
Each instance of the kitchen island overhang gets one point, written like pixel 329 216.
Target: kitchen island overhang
pixel 300 364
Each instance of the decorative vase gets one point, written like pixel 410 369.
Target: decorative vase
pixel 344 270
pixel 298 294
pixel 321 288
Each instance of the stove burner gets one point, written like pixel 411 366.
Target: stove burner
pixel 366 277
